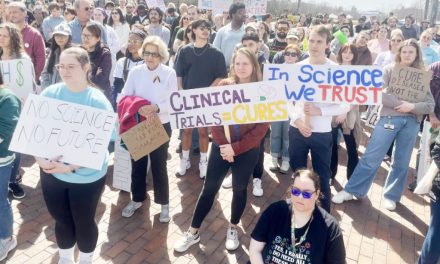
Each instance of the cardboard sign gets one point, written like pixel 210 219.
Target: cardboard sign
pixel 156 3
pixel 143 138
pixel 255 7
pixel 228 105
pixel 357 85
pixel 18 75
pixel 409 84
pixel 50 128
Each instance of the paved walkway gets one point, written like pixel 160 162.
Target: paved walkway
pixel 371 233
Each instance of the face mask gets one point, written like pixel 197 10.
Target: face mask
pixel 281 35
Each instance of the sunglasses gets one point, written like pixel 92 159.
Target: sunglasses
pixel 291 54
pixel 305 194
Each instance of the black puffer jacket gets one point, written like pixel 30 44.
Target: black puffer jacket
pixel 435 154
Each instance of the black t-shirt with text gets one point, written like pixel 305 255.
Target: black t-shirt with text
pixel 323 244
pixel 199 67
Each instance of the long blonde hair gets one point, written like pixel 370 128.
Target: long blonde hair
pixel 256 72
pixel 418 61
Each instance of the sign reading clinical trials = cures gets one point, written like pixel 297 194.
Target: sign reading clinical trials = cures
pixel 358 85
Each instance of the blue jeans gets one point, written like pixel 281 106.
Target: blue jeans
pixel 279 139
pixel 404 136
pixel 320 146
pixel 431 246
pixel 5 207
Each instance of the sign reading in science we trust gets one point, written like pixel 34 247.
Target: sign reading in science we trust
pixel 330 84
pixel 227 105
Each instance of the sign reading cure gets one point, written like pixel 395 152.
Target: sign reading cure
pixel 409 84
pixel 49 128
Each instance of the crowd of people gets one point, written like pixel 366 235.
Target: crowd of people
pixel 128 57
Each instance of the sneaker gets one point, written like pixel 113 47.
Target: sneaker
pixel 186 241
pixel 274 167
pixel 164 216
pixel 203 167
pixel 17 190
pixel 184 165
pixel 285 166
pixel 131 207
pixel 7 245
pixel 341 197
pixel 388 204
pixel 232 241
pixel 412 186
pixel 227 182
pixel 257 190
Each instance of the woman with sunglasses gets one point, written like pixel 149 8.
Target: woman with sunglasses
pixel 387 57
pixel 429 54
pixel 298 230
pixel 152 81
pixel 399 122
pixel 279 131
pixel 119 24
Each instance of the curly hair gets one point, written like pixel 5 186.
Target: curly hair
pixel 16 41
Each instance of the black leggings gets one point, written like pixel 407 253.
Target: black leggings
pixel 158 159
pixel 242 168
pixel 352 154
pixel 259 167
pixel 73 206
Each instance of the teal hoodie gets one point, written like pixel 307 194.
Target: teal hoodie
pixel 9 113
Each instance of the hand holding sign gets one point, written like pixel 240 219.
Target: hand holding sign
pixel 405 107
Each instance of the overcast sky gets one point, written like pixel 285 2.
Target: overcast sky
pixel 367 5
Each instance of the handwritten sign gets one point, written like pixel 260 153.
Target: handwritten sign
pixel 330 84
pixel 409 84
pixel 50 128
pixel 143 138
pixel 156 3
pixel 255 7
pixel 227 105
pixel 205 4
pixel 18 75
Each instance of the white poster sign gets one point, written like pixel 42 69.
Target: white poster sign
pixel 255 7
pixel 50 128
pixel 156 3
pixel 18 75
pixel 121 168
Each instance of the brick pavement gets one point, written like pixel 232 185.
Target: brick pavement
pixel 371 234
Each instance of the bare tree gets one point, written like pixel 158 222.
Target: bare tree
pixel 434 11
pixel 425 14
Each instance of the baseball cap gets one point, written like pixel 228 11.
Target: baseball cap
pixel 62 29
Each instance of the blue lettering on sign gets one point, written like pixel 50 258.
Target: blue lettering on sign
pixel 281 75
pixel 362 77
pixel 306 93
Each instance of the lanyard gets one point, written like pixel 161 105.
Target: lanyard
pixel 302 238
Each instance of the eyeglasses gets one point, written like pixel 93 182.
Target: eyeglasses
pixel 152 54
pixel 305 194
pixel 134 41
pixel 291 54
pixel 66 13
pixel 69 67
pixel 89 8
pixel 204 28
pixel 86 36
pixel 396 40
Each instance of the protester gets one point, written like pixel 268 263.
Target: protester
pixel 429 54
pixel 348 123
pixel 71 192
pixel 184 22
pixel 387 57
pixel 230 35
pixel 298 228
pixel 69 14
pixel 100 16
pixel 100 58
pixel 311 122
pixel 11 48
pixel 381 44
pixel 408 30
pixel 125 64
pixel 195 69
pixel 399 122
pixel 161 81
pixel 61 39
pixel 279 43
pixel 52 21
pixel 10 109
pixel 155 28
pixel 84 13
pixel 33 42
pixel 279 135
pixel 119 24
pixel 239 152
pixel 141 18
pixel 364 53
